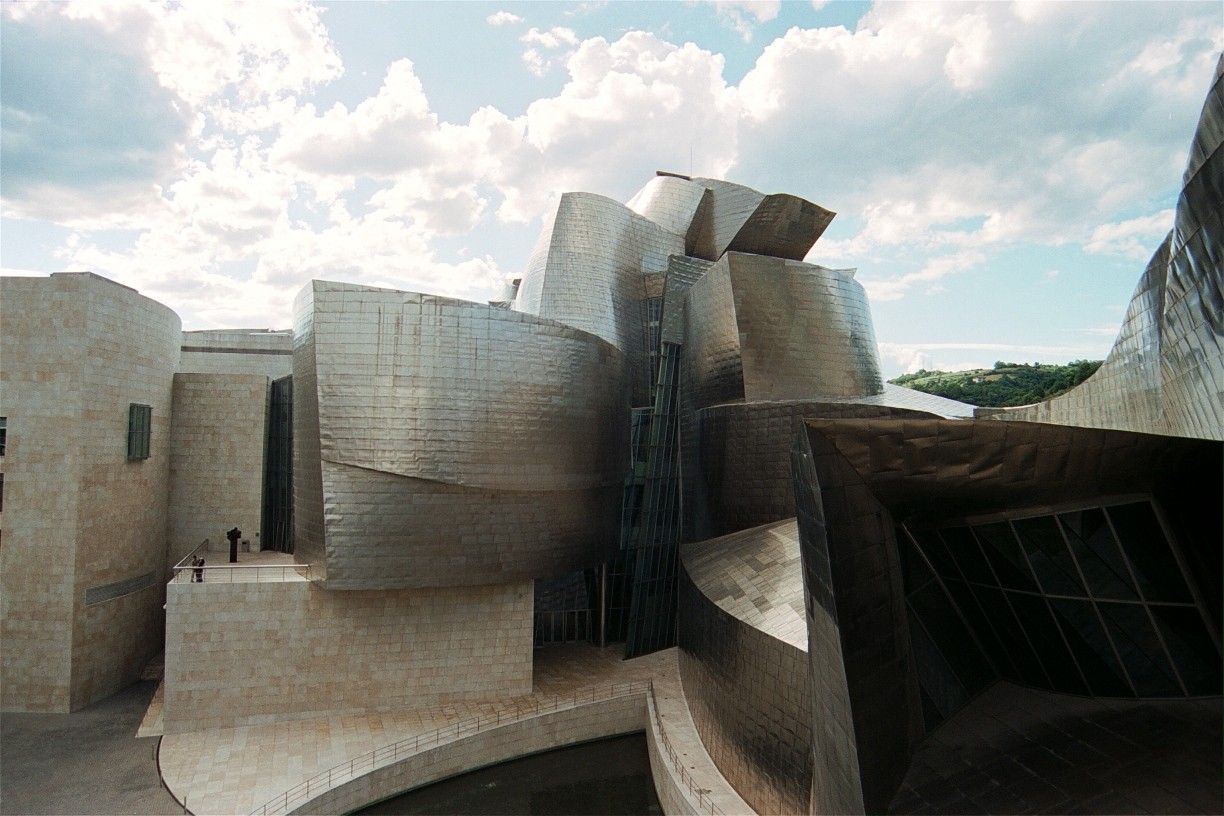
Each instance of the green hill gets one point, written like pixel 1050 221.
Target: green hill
pixel 1004 385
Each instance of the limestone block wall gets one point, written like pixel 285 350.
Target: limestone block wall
pixel 216 459
pixel 248 653
pixel 238 351
pixel 84 528
pixel 40 397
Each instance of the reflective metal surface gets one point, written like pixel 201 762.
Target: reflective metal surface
pixel 858 479
pixel 762 329
pixel 743 662
pixel 1165 373
pixel 587 269
pixel 670 201
pixel 458 443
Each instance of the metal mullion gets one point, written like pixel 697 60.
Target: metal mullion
pixel 1050 609
pixel 1007 600
pixel 1096 611
pixel 1175 548
pixel 1143 598
pixel 968 583
pixel 948 595
pixel 935 645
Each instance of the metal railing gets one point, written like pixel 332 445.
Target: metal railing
pixel 239 573
pixel 705 803
pixel 562 626
pixel 184 572
pixel 203 545
pixel 387 755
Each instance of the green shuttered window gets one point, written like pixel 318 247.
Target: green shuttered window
pixel 139 421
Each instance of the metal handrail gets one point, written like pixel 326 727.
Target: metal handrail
pixel 191 554
pixel 701 794
pixel 228 570
pixel 387 755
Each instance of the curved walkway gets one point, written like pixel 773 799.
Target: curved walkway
pixel 238 770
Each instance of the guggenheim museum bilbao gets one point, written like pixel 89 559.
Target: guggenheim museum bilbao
pixel 669 434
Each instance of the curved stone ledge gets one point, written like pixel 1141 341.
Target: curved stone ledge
pixel 556 729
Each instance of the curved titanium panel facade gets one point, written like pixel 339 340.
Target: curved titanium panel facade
pixel 587 272
pixel 1165 373
pixel 460 443
pixel 669 201
pixel 744 459
pixel 763 329
pixel 857 479
pixel 743 662
pixel 782 226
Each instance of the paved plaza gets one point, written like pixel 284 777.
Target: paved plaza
pixel 87 762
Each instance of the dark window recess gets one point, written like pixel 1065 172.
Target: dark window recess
pixel 1 492
pixel 3 434
pixel 1049 556
pixel 1140 649
pixel 1097 553
pixel 964 548
pixel 1193 649
pixel 1003 552
pixel 140 420
pixel 1151 556
pixel 1091 647
pixel 1044 634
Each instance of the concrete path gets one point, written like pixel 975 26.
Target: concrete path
pixel 88 762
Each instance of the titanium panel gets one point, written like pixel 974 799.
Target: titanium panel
pixel 309 534
pixel 735 218
pixel 763 329
pixel 669 201
pixel 587 269
pixel 782 226
pixel 460 443
pixel 744 459
pixel 743 662
pixel 1165 373
pixel 726 210
pixel 870 712
pixel 754 575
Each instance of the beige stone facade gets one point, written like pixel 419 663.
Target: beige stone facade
pixel 83 526
pixel 216 460
pixel 238 351
pixel 248 653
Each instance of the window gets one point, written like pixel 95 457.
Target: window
pixel 139 422
pixel 3 434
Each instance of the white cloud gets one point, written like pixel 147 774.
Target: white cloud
pixel 944 134
pixel 978 125
pixel 743 15
pixel 502 18
pixel 1134 238
pixel 547 48
pixel 934 270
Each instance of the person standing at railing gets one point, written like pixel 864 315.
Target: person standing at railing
pixel 197 573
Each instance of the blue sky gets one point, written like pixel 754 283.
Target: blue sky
pixel 1001 171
